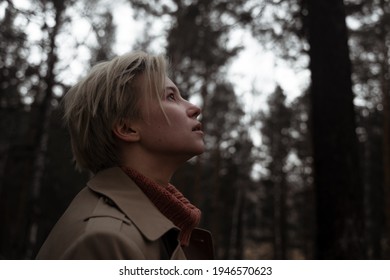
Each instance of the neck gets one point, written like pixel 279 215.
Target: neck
pixel 159 169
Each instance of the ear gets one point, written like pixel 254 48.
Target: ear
pixel 126 130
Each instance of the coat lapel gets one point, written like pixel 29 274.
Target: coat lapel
pixel 114 184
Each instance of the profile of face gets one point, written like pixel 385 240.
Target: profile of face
pixel 177 133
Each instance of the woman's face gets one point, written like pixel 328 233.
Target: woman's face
pixel 179 134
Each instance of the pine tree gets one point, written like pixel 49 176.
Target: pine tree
pixel 340 227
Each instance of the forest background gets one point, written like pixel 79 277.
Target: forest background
pixel 301 178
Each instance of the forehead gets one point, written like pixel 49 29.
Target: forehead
pixel 169 83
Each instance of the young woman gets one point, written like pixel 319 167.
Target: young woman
pixel 130 126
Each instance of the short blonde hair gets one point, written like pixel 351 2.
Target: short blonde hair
pixel 108 94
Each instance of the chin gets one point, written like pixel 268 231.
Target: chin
pixel 195 153
pixel 201 150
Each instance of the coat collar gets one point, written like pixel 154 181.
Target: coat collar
pixel 117 186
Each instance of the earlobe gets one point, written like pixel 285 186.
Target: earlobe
pixel 125 131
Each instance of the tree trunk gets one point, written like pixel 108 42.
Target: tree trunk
pixel 236 248
pixel 385 81
pixel 340 226
pixel 41 129
pixel 280 218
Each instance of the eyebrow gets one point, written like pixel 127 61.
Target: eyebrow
pixel 172 88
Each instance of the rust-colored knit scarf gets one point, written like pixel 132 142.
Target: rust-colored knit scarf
pixel 171 203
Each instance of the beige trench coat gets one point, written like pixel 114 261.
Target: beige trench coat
pixel 111 218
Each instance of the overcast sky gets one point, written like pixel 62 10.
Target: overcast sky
pixel 252 68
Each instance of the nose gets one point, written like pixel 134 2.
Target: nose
pixel 193 111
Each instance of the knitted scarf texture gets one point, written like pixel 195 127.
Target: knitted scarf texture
pixel 170 202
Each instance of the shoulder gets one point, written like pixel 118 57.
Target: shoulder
pixel 94 228
pixel 110 234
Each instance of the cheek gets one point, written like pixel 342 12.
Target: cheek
pixel 172 122
pixel 176 119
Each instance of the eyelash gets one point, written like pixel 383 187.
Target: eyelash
pixel 171 96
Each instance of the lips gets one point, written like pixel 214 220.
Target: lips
pixel 197 127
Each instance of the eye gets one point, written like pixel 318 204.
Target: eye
pixel 171 96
